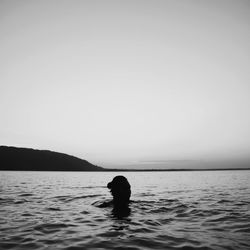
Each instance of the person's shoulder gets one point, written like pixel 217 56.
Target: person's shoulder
pixel 106 204
pixel 103 204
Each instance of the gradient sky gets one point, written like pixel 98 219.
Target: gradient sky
pixel 127 83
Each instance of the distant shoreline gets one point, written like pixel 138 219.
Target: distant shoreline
pixel 171 170
pixel 27 159
pixel 133 170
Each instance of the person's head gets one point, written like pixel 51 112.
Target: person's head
pixel 120 190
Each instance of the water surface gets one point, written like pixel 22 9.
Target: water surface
pixel 169 210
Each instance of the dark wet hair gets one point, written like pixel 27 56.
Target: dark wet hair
pixel 120 190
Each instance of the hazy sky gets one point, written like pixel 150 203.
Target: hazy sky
pixel 127 82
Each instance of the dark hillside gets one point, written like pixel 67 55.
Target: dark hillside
pixel 12 158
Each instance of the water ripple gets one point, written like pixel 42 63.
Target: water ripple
pixel 39 213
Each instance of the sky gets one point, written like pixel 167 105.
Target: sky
pixel 145 84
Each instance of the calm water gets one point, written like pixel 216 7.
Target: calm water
pixel 170 210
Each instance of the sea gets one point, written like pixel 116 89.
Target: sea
pixel 168 210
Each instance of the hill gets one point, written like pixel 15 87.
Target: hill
pixel 27 159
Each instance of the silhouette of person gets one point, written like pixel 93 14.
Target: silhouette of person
pixel 121 192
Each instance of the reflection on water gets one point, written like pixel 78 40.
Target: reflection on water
pixel 169 210
pixel 121 213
